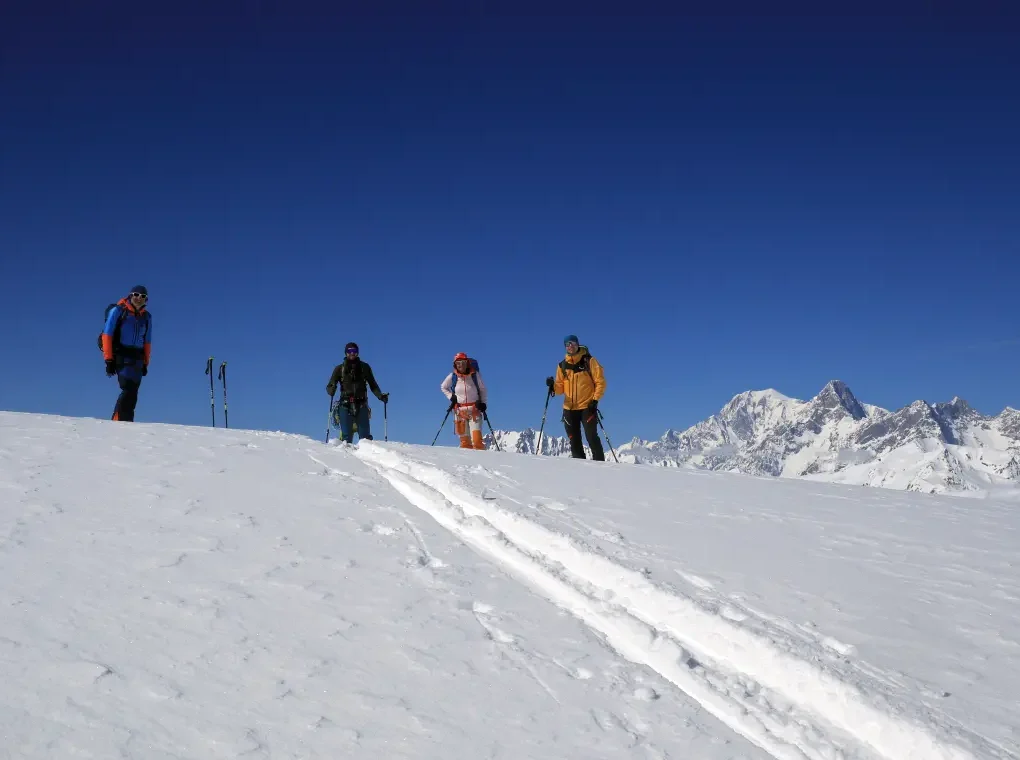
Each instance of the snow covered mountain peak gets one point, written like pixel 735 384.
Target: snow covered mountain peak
pixel 837 395
pixel 748 414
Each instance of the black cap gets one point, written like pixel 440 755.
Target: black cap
pixel 139 289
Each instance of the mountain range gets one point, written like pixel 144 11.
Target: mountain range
pixel 945 447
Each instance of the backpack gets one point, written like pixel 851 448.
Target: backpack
pixel 116 329
pixel 358 376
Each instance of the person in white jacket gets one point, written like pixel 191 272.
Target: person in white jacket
pixel 466 392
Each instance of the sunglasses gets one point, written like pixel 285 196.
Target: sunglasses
pixel 570 343
pixel 140 295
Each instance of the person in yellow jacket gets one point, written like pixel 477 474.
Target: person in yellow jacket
pixel 580 379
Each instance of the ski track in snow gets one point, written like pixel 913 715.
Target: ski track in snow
pixel 783 686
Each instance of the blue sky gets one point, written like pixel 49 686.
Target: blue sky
pixel 712 203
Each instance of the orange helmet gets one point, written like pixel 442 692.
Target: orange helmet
pixel 461 355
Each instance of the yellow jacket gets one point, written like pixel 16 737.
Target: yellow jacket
pixel 579 386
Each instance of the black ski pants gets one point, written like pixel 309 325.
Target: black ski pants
pixel 573 421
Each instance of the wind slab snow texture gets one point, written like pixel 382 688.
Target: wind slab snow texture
pixel 172 592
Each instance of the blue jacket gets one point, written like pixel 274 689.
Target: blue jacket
pixel 135 330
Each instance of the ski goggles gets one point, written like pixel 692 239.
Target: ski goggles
pixel 352 352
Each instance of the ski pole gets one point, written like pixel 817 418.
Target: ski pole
pixel 538 447
pixel 494 441
pixel 329 417
pixel 601 425
pixel 223 377
pixel 385 420
pixel 212 395
pixel 449 409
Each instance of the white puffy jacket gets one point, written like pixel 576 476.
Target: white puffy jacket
pixel 464 387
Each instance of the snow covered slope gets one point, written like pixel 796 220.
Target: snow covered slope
pixel 172 592
pixel 931 448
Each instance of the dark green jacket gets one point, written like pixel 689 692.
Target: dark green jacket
pixel 353 379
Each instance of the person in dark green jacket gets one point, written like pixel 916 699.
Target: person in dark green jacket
pixel 352 379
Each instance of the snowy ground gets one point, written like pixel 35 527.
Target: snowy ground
pixel 172 592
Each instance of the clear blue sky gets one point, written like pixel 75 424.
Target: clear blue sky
pixel 713 204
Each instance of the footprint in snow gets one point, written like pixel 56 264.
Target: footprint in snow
pixel 379 530
pixel 646 694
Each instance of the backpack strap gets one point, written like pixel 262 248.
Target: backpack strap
pixel 581 366
pixel 121 315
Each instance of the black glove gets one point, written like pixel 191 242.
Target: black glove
pixel 481 406
pixel 331 389
pixel 593 405
pixel 111 368
pixel 453 400
pixel 384 397
pixel 550 381
pixel 145 370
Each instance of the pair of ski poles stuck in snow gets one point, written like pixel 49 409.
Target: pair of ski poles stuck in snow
pixel 222 376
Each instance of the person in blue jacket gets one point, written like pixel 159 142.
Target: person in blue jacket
pixel 127 346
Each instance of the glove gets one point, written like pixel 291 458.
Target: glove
pixel 331 389
pixel 481 406
pixel 111 368
pixel 453 400
pixel 550 381
pixel 145 370
pixel 384 397
pixel 593 405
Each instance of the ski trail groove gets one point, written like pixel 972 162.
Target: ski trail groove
pixel 789 707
